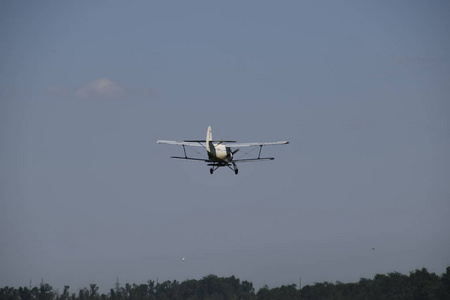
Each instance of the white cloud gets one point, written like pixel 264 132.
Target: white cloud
pixel 402 59
pixel 101 88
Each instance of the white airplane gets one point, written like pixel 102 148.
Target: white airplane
pixel 220 153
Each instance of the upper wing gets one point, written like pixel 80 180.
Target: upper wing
pixel 225 143
pixel 185 143
pixel 256 144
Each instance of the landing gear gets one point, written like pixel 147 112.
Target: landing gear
pixel 236 171
pixel 215 166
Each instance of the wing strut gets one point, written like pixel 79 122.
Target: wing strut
pixel 184 149
pixel 260 148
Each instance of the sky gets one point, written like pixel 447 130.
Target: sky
pixel 359 89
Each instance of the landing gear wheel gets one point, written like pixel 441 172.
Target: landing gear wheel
pixel 211 171
pixel 236 171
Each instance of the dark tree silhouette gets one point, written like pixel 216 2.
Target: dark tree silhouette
pixel 418 285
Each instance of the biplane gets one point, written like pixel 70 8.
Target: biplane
pixel 220 153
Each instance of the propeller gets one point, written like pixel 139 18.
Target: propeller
pixel 235 151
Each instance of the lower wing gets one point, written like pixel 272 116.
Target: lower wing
pixel 191 158
pixel 253 159
pixel 233 161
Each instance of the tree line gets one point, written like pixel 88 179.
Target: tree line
pixel 418 285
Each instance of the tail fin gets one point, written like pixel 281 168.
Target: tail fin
pixel 208 139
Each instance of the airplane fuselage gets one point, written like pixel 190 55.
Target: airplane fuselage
pixel 216 151
pixel 220 153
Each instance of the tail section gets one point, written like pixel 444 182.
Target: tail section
pixel 209 140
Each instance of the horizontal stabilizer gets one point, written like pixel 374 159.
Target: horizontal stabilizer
pixel 203 141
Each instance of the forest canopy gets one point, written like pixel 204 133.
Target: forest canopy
pixel 419 284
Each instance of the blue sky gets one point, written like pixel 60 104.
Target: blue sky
pixel 359 89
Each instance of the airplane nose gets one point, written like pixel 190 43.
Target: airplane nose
pixel 230 156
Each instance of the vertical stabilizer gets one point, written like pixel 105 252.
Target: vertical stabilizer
pixel 209 140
